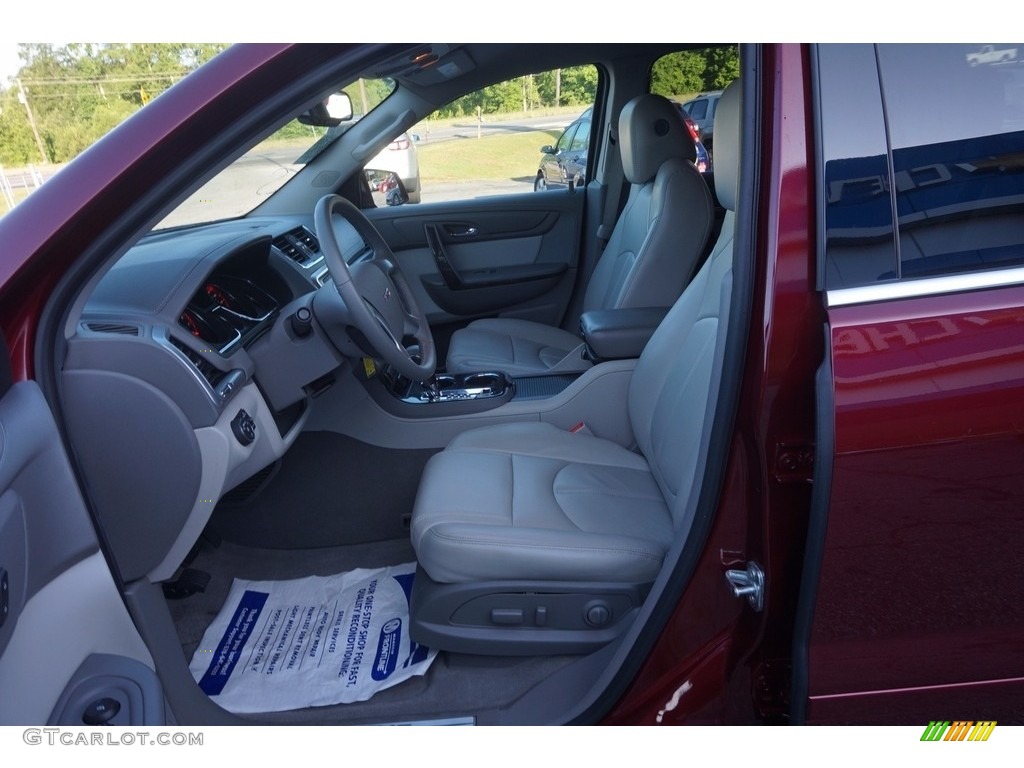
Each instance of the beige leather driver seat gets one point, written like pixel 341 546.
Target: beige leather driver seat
pixel 650 256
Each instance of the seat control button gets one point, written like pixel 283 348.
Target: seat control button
pixel 101 711
pixel 507 616
pixel 597 613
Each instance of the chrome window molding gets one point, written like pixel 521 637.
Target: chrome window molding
pixel 930 286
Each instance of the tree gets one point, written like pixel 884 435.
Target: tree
pixel 678 73
pixel 79 91
pixel 684 73
pixel 723 67
pixel 17 146
pixel 573 85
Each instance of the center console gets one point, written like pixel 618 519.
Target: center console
pixel 457 394
pixel 452 387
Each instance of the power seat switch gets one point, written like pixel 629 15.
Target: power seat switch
pixel 101 711
pixel 244 427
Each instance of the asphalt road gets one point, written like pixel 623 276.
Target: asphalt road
pixel 467 128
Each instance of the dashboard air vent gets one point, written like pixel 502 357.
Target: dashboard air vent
pixel 209 372
pixel 300 245
pixel 121 328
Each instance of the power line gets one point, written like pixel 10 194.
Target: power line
pixel 103 80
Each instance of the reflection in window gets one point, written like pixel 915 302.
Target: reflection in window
pixel 951 169
pixel 698 110
pixel 860 244
pixel 581 140
pixel 956 124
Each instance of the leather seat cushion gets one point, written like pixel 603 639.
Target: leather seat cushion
pixel 530 501
pixel 517 347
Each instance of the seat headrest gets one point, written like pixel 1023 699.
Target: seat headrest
pixel 651 131
pixel 727 145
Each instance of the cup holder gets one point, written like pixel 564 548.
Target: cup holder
pixel 489 388
pixel 491 382
pixel 466 386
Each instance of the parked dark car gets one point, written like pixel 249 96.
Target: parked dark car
pixel 566 160
pixel 793 491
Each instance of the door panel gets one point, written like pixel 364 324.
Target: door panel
pixel 63 611
pixel 513 255
pixel 920 587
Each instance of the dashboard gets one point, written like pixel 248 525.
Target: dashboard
pixel 186 374
pixel 228 311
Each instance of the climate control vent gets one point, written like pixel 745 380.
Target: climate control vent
pixel 121 328
pixel 208 371
pixel 300 245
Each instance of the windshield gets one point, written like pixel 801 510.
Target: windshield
pixel 268 166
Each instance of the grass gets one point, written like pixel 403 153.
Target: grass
pixel 507 156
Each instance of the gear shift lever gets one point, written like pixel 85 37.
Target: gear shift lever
pixel 433 392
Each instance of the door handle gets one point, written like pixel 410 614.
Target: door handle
pixel 460 230
pixel 451 278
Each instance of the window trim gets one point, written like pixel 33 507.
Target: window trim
pixel 930 286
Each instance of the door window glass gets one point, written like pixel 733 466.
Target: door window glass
pixel 943 160
pixel 956 124
pixel 489 142
pixel 581 139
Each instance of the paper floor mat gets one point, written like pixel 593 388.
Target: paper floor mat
pixel 278 645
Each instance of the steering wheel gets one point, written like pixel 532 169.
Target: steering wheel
pixel 379 300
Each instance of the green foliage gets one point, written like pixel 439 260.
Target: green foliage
pixel 367 94
pixel 17 147
pixel 723 67
pixel 684 73
pixel 678 73
pixel 78 92
pixel 572 86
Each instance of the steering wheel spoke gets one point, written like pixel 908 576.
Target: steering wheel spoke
pixel 384 325
pixel 379 300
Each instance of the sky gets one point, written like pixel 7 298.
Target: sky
pixel 9 61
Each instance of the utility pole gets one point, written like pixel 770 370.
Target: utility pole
pixel 362 95
pixel 23 98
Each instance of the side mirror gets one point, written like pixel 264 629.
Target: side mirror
pixel 547 149
pixel 332 111
pixel 386 187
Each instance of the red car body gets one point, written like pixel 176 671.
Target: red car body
pixel 887 518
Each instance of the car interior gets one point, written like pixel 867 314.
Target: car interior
pixel 527 395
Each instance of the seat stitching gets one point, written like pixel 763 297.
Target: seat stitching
pixel 509 545
pixel 614 494
pixel 499 451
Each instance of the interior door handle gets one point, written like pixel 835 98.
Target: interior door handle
pixel 460 230
pixel 451 278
